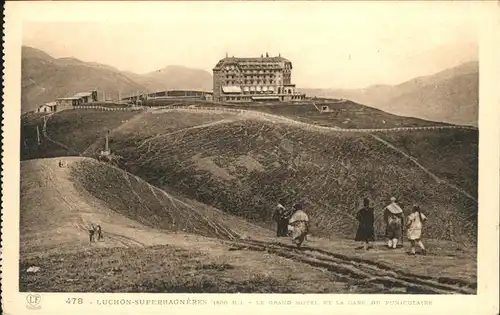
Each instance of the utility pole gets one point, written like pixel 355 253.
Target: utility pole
pixel 106 148
pixel 38 135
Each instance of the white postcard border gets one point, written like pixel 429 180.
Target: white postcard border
pixel 485 302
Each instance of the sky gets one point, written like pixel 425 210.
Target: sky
pixel 331 44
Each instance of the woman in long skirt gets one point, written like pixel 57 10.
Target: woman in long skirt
pixel 366 218
pixel 414 224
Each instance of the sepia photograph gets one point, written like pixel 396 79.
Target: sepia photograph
pixel 250 148
pixel 266 166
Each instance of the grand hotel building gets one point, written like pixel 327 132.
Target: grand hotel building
pixel 254 79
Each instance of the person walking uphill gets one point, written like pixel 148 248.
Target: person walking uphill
pixel 366 219
pixel 393 217
pixel 300 225
pixel 414 225
pixel 280 215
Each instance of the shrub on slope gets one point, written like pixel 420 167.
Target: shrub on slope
pixel 244 167
pixel 137 200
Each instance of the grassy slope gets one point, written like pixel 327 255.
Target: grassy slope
pixel 77 129
pixel 28 142
pixel 450 154
pixel 133 257
pixel 57 204
pixel 344 114
pixel 130 196
pixel 80 128
pixel 261 162
pixel 243 167
pixel 168 269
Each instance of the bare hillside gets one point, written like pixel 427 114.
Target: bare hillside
pixel 45 78
pixel 449 96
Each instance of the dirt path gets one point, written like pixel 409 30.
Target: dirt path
pixel 361 271
pixel 118 231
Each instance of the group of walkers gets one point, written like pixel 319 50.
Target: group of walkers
pixel 95 231
pixel 395 225
pixel 295 223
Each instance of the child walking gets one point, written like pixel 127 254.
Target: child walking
pixel 414 225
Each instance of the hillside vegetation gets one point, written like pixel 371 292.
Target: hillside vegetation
pixel 75 129
pixel 58 205
pixel 134 198
pixel 342 114
pixel 243 165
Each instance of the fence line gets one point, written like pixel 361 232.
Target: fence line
pixel 104 108
pixel 273 117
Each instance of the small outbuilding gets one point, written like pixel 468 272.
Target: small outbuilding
pixel 47 107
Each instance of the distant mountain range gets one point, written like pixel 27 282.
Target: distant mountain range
pixel 45 78
pixel 449 96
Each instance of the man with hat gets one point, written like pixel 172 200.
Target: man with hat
pixel 393 218
pixel 280 215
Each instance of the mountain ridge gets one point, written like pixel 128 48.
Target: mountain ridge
pixel 45 78
pixel 450 95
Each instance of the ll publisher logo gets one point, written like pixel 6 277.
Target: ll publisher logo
pixel 33 301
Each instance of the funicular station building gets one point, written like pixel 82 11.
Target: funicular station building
pixel 261 79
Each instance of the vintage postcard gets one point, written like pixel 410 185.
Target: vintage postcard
pixel 239 157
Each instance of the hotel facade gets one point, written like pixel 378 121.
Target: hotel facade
pixel 254 79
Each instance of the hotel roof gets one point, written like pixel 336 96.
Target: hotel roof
pixel 250 62
pixel 83 94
